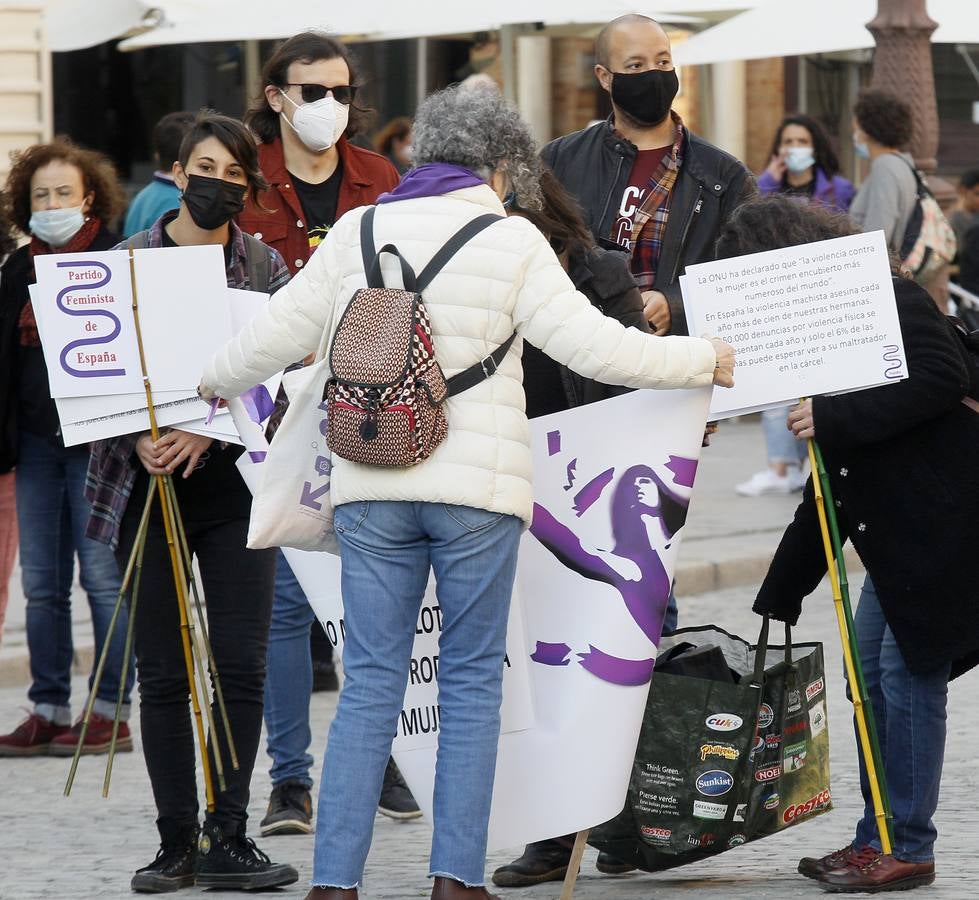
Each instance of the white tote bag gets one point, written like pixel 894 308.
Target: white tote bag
pixel 292 507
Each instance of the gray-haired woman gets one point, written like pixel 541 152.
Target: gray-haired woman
pixel 461 512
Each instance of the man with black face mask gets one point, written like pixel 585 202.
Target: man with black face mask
pixel 645 182
pixel 648 185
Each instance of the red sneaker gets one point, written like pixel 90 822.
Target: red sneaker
pixel 97 738
pixel 31 738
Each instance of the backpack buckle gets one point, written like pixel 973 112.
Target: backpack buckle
pixel 489 366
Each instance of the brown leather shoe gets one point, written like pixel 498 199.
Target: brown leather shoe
pixel 332 893
pixel 449 889
pixel 885 873
pixel 838 859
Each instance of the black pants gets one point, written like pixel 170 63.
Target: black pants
pixel 237 587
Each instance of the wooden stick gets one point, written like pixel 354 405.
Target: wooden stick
pixel 104 655
pixel 574 866
pixel 175 561
pixel 208 650
pixel 859 712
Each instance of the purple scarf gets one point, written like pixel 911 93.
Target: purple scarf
pixel 431 180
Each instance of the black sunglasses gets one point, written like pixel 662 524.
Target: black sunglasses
pixel 342 93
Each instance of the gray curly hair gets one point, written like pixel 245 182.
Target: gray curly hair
pixel 482 132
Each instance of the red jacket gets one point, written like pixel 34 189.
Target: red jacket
pixel 366 175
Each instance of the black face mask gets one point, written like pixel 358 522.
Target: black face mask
pixel 212 202
pixel 645 97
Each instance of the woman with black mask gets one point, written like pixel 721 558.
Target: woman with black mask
pixel 216 169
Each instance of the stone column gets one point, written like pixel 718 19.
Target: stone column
pixel 902 65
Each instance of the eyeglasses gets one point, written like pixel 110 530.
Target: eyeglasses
pixel 342 93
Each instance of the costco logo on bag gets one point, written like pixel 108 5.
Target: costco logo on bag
pixel 656 834
pixel 715 783
pixel 724 722
pixel 821 800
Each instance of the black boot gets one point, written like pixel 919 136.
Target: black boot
pixel 541 861
pixel 396 800
pixel 175 863
pixel 231 860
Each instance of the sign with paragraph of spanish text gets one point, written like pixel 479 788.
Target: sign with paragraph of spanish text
pixel 812 319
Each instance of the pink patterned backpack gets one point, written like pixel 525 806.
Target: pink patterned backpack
pixel 384 397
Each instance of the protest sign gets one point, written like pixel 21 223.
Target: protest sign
pixel 812 319
pixel 593 581
pixel 418 725
pixel 83 306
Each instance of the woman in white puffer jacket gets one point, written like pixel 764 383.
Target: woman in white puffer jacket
pixel 461 511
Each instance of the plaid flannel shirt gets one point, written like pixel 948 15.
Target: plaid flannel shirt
pixel 112 464
pixel 649 224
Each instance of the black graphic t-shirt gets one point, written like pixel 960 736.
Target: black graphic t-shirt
pixel 643 169
pixel 319 203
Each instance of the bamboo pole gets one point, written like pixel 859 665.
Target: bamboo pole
pixel 140 548
pixel 175 561
pixel 857 689
pixel 574 865
pixel 208 651
pixel 104 655
pixel 834 532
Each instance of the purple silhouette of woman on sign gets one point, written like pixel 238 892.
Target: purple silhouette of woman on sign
pixel 643 511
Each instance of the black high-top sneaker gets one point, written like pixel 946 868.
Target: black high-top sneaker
pixel 233 861
pixel 175 864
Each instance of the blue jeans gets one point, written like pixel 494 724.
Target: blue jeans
pixel 781 445
pixel 387 549
pixel 909 710
pixel 52 514
pixel 289 682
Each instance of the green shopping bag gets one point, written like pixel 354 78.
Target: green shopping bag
pixel 727 758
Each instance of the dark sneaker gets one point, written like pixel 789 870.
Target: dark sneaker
pixel 541 861
pixel 234 862
pixel 290 810
pixel 97 738
pixel 874 876
pixel 396 801
pixel 325 676
pixel 812 867
pixel 612 865
pixel 174 867
pixel 31 738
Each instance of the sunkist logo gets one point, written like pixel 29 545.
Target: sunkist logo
pixel 724 722
pixel 715 783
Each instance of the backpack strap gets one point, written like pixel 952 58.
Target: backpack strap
pixel 372 257
pixel 452 246
pixel 258 263
pixel 480 371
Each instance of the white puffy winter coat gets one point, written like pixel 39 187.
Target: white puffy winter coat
pixel 507 278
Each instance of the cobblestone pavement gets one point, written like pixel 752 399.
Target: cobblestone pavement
pixel 84 847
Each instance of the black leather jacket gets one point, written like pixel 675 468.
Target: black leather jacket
pixel 595 164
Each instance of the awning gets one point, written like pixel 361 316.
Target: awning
pixel 76 24
pixel 820 26
pixel 231 20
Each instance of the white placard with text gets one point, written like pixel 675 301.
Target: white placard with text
pixel 812 319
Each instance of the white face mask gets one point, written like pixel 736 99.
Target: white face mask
pixel 57 226
pixel 320 124
pixel 798 159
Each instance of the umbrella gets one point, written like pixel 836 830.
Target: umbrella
pixel 772 29
pixel 191 22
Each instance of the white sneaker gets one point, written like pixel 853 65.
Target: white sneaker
pixel 766 482
pixel 797 478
